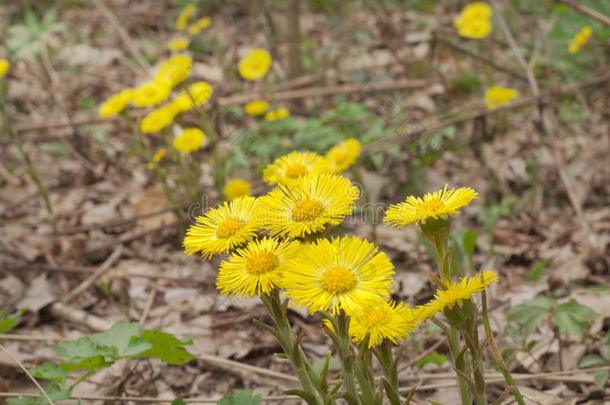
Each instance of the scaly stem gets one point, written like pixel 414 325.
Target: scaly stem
pixel 388 363
pixel 344 343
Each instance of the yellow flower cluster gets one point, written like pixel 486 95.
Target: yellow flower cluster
pixel 580 39
pixel 496 96
pixel 4 65
pixel 474 20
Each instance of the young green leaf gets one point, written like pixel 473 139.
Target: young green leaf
pixel 600 378
pixel 531 313
pixel 535 272
pixel 118 337
pixel 572 317
pixel 434 357
pixel 8 322
pixel 166 347
pixel 50 371
pixel 591 360
pixel 243 397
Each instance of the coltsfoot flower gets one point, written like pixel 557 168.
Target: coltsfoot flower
pixel 278 114
pixel 197 93
pixel 190 140
pixel 116 103
pixel 185 16
pixel 256 108
pixel 237 188
pixel 175 69
pixel 308 205
pixel 346 273
pixel 496 96
pixel 392 321
pixel 474 20
pixel 580 39
pixel 199 25
pixel 439 204
pixel 255 64
pixel 475 29
pixel 152 92
pixel 257 268
pixel 226 227
pixel 178 44
pixel 341 156
pixel 157 120
pixel 4 65
pixel 293 166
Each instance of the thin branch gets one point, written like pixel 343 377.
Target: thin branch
pixel 16 360
pixel 587 11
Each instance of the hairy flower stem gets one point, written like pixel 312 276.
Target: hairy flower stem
pixel 218 172
pixel 184 177
pixel 290 343
pixel 42 189
pixel 384 354
pixel 344 349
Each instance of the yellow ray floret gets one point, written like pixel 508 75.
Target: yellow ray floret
pixel 307 206
pixel 257 268
pixel 293 166
pixel 439 204
pixel 255 64
pixel 347 273
pixel 223 228
pixel 456 293
pixel 237 188
pixel 382 321
pixel 341 156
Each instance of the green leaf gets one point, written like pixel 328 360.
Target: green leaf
pixel 434 357
pixel 377 159
pixel 178 401
pixel 572 317
pixel 10 321
pixel 166 347
pixel 90 363
pixel 535 272
pixel 530 314
pixel 118 337
pixel 469 241
pixel 50 371
pixel 243 397
pixel 600 378
pixel 54 392
pixel 591 360
pixel 333 364
pixel 605 352
pixel 80 348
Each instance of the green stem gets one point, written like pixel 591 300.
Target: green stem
pixel 183 175
pixel 344 343
pixel 367 205
pixel 496 353
pixel 458 361
pixel 472 340
pixel 218 172
pixel 388 363
pixel 42 189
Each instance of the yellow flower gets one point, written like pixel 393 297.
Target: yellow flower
pixel 587 31
pixel 475 29
pixel 581 38
pixel 347 273
pixel 156 120
pixel 456 293
pixel 185 16
pixel 256 107
pixel 237 188
pixel 257 268
pixel 278 114
pixel 380 321
pixel 152 92
pixel 178 44
pixel 476 11
pixel 189 140
pixel 341 156
pixel 439 204
pixel 573 48
pixel 116 103
pixel 496 96
pixel 223 228
pixel 159 155
pixel 255 64
pixel 4 65
pixel 175 69
pixel 293 166
pixel 199 25
pixel 199 92
pixel 307 205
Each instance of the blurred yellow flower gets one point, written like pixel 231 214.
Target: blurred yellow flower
pixel 475 29
pixel 581 38
pixel 496 96
pixel 152 92
pixel 156 120
pixel 175 69
pixel 474 20
pixel 116 103
pixel 198 93
pixel 185 16
pixel 237 188
pixel 257 107
pixel 278 114
pixel 157 157
pixel 294 165
pixel 189 140
pixel 178 44
pixel 587 31
pixel 4 65
pixel 573 48
pixel 478 10
pixel 341 156
pixel 255 64
pixel 199 25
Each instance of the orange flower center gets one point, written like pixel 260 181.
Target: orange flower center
pixel 262 262
pixel 306 209
pixel 337 280
pixel 296 170
pixel 228 227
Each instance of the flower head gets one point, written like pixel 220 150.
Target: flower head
pixel 189 140
pixel 581 38
pixel 199 25
pixel 152 92
pixel 223 228
pixel 346 273
pixel 341 156
pixel 475 29
pixel 178 44
pixel 293 166
pixel 4 65
pixel 175 69
pixel 474 20
pixel 380 321
pixel 278 114
pixel 255 108
pixel 237 188
pixel 456 293
pixel 255 64
pixel 116 103
pixel 197 93
pixel 439 204
pixel 157 120
pixel 308 205
pixel 257 268
pixel 478 10
pixel 159 155
pixel 185 16
pixel 496 96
